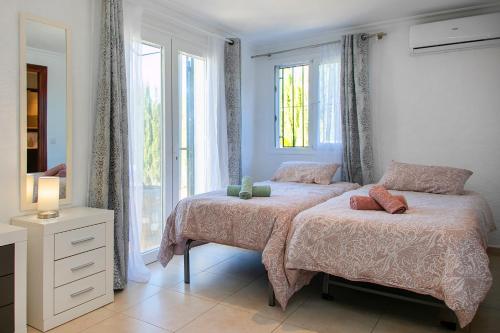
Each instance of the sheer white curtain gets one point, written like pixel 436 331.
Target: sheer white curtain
pixel 132 14
pixel 329 134
pixel 211 153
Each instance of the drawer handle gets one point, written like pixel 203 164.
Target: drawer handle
pixel 77 268
pixel 83 240
pixel 78 293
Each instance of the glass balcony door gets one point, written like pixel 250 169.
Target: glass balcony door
pixel 152 167
pixel 174 80
pixel 189 74
pixel 157 141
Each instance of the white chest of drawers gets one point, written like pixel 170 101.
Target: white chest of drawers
pixel 70 264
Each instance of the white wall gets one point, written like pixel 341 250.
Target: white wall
pixel 441 109
pixel 76 15
pixel 56 101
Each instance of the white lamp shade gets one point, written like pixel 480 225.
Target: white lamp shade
pixel 48 194
pixel 30 182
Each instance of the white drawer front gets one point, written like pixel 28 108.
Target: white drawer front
pixel 79 292
pixel 79 266
pixel 79 240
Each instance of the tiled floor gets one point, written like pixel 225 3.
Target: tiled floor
pixel 228 294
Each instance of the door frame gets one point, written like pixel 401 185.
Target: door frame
pixel 42 114
pixel 170 134
pixel 200 51
pixel 165 42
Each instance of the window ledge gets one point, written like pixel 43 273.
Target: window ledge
pixel 294 151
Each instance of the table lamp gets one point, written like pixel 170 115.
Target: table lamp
pixel 48 197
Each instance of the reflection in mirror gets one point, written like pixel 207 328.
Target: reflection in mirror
pixel 46 107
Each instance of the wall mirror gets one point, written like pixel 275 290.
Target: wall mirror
pixel 45 107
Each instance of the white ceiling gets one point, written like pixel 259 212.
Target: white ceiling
pixel 265 20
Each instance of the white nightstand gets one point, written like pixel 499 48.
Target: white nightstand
pixel 70 264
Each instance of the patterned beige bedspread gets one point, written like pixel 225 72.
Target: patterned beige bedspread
pixel 215 217
pixel 437 248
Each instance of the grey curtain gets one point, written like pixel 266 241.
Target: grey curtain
pixel 109 183
pixel 357 165
pixel 232 80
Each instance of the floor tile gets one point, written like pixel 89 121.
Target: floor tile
pixel 287 328
pixel 169 309
pixel 323 316
pixel 493 297
pixel 218 250
pixel 494 262
pixel 223 319
pixel 244 266
pixel 176 260
pixel 123 324
pixel 487 320
pixel 200 260
pixel 401 316
pixel 81 323
pixel 131 295
pixel 254 298
pixel 169 276
pixel 212 286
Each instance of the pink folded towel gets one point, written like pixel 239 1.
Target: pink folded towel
pixel 385 199
pixel 359 202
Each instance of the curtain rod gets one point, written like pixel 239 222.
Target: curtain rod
pixel 378 35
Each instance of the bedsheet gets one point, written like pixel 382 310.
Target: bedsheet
pixel 249 224
pixel 438 247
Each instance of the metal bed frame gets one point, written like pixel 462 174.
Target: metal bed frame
pixel 187 274
pixel 360 286
pixel 389 292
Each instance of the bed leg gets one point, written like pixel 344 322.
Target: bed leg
pixel 270 294
pixel 450 320
pixel 325 292
pixel 186 262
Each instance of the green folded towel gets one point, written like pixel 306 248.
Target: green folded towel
pixel 246 188
pixel 257 191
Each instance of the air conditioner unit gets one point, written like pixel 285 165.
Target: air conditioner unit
pixel 467 32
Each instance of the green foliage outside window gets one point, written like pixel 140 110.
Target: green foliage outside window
pixel 152 140
pixel 293 105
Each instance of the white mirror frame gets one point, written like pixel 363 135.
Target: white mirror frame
pixel 25 205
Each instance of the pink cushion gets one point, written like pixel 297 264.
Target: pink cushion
pixel 425 178
pixel 305 172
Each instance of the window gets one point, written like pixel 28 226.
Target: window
pixel 328 106
pixel 152 215
pixel 307 102
pixel 292 106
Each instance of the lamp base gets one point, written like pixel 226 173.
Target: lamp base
pixel 48 214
